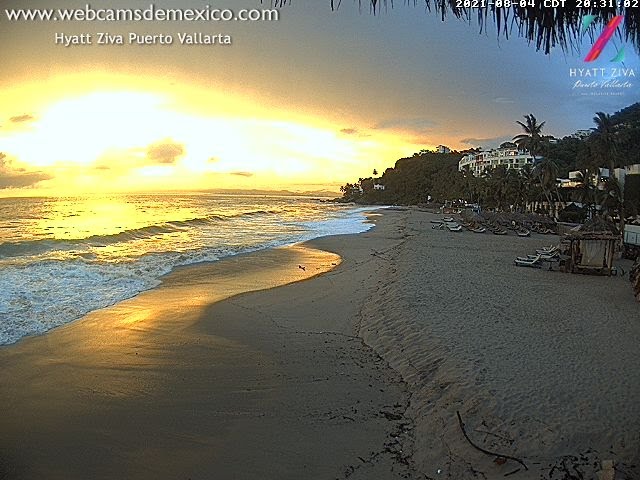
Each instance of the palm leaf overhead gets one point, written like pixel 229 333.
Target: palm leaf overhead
pixel 545 27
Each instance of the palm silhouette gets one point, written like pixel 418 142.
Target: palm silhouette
pixel 604 140
pixel 531 139
pixel 547 172
pixel 604 147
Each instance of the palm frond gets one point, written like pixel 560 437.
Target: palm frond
pixel 545 27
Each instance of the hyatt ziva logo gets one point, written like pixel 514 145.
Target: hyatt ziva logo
pixel 603 39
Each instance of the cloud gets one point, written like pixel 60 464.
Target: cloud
pixel 422 141
pixel 354 131
pixel 165 152
pixel 242 174
pixel 11 177
pixel 421 125
pixel 504 100
pixel 473 141
pixel 486 142
pixel 22 180
pixel 418 131
pixel 21 118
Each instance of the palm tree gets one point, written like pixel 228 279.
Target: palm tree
pixel 604 145
pixel 527 185
pixel 482 187
pixel 586 194
pixel 497 189
pixel 531 139
pixel 528 182
pixel 468 183
pixel 547 172
pixel 612 201
pixel 604 140
pixel 513 189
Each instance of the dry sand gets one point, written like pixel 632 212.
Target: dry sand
pixel 278 383
pixel 542 365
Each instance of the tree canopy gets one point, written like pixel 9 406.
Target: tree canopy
pixel 429 176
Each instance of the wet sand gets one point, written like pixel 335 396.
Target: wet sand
pixel 176 383
pixel 355 373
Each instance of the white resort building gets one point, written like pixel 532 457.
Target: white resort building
pixel 510 158
pixel 620 174
pixel 581 134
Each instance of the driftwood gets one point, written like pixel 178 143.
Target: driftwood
pixel 487 452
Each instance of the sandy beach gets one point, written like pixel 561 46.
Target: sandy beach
pixel 542 365
pixel 353 366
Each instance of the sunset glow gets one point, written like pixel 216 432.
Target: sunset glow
pixel 129 139
pixel 268 111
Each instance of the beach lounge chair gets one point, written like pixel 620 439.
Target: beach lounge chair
pixel 535 262
pixel 549 257
pixel 548 250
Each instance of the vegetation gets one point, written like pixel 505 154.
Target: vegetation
pixel 431 177
pixel 411 181
pixel 531 139
pixel 632 195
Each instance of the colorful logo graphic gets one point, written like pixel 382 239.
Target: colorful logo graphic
pixel 603 39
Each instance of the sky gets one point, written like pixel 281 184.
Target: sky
pixel 309 102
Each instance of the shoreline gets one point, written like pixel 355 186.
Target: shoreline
pixel 357 373
pixel 179 383
pixel 195 274
pixel 157 281
pixel 59 275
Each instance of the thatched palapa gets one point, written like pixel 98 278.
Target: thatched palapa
pixel 591 251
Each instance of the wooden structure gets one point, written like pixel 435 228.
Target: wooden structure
pixel 591 252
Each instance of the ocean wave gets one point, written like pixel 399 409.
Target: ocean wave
pixel 44 245
pixel 41 291
pixel 39 296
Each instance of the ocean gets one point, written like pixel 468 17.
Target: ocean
pixel 61 258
